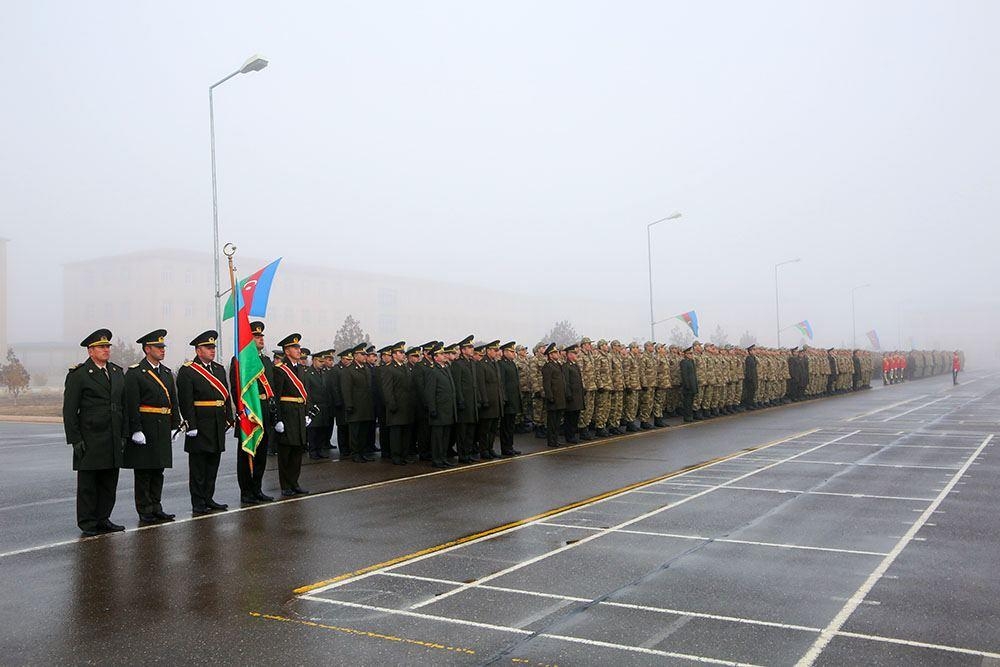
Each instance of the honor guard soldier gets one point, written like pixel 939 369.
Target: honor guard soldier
pixel 510 381
pixel 293 418
pixel 203 395
pixel 250 474
pixel 442 408
pixel 93 417
pixel 321 428
pixel 153 419
pixel 396 378
pixel 359 404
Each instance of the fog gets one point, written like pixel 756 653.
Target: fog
pixel 524 147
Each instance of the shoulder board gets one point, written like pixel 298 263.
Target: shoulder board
pixel 165 368
pixel 187 363
pixel 74 367
pixel 278 363
pixel 134 366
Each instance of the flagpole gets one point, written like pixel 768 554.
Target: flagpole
pixel 229 250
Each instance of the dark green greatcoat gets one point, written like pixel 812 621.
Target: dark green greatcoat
pixel 94 414
pixel 155 388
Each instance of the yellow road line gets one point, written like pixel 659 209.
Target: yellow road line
pixel 364 633
pixel 520 522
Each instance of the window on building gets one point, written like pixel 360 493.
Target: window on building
pixel 189 310
pixel 166 309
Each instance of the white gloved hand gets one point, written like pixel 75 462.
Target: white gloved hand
pixel 139 438
pixel 309 420
pixel 193 432
pixel 279 427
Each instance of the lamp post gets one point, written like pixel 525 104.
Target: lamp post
pixel 253 64
pixel 777 307
pixel 649 255
pixel 854 325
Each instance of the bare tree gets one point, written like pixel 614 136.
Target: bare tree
pixel 719 337
pixel 747 339
pixel 562 333
pixel 125 354
pixel 350 334
pixel 13 376
pixel 681 336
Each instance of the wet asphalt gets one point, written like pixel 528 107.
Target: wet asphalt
pixel 721 576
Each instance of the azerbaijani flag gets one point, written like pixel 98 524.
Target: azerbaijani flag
pixel 873 337
pixel 690 318
pixel 251 299
pixel 255 288
pixel 804 328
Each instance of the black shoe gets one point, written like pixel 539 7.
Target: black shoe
pixel 314 456
pixel 200 511
pixel 510 452
pixel 439 464
pixel 148 519
pixel 109 527
pixel 632 427
pixel 688 420
pixel 221 507
pixel 476 457
pixel 697 417
pixel 263 497
pixel 323 454
pixel 398 462
pixel 602 433
pixel 552 444
pixel 369 457
pixel 164 516
pixel 586 436
pixel 645 426
pixel 288 493
pixel 465 459
pixel 299 491
pixel 449 464
pixel 249 500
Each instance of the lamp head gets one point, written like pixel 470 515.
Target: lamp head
pixel 254 64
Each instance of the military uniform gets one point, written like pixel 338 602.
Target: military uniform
pixel 250 469
pixel 554 392
pixel 442 408
pixel 294 403
pixel 93 418
pixel 359 404
pixel 203 396
pixel 466 374
pixel 573 380
pixel 491 401
pixel 616 420
pixel 602 399
pixel 510 384
pixel 689 385
pixel 152 415
pixel 588 375
pixel 400 405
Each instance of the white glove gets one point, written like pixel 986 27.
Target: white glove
pixel 139 438
pixel 193 432
pixel 309 420
pixel 279 427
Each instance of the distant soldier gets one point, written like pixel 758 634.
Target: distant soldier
pixel 491 400
pixel 588 374
pixel 250 481
pixel 359 404
pixel 320 429
pixel 750 378
pixel 602 400
pixel 466 374
pixel 554 392
pixel 336 400
pixel 662 387
pixel 400 404
pixel 442 408
pixel 574 394
pixel 647 379
pixel 523 422
pixel 538 360
pixel 689 384
pixel 616 420
pixel 510 383
pixel 631 365
pixel 153 419
pixel 203 396
pixel 93 418
pixel 294 403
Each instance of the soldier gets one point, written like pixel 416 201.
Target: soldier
pixel 588 371
pixel 421 362
pixel 400 402
pixel 359 404
pixel 320 430
pixel 538 360
pixel 491 400
pixel 662 386
pixel 647 379
pixel 633 385
pixel 510 383
pixel 554 392
pixel 689 384
pixel 294 408
pixel 465 374
pixel 93 418
pixel 153 419
pixel 602 401
pixel 336 400
pixel 616 420
pixel 203 397
pixel 699 404
pixel 250 475
pixel 674 392
pixel 750 366
pixel 523 423
pixel 573 380
pixel 440 395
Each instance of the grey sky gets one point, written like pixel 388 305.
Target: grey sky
pixel 527 144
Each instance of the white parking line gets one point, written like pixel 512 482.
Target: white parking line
pixel 814 493
pixel 888 407
pixel 838 621
pixel 924 405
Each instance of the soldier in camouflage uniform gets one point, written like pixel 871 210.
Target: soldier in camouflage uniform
pixel 602 401
pixel 616 420
pixel 647 380
pixel 673 405
pixel 699 405
pixel 662 387
pixel 588 373
pixel 523 420
pixel 633 385
pixel 537 399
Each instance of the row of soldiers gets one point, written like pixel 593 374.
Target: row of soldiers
pixel 898 366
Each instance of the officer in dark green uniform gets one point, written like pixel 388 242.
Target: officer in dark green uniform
pixel 93 417
pixel 203 396
pixel 400 403
pixel 510 382
pixel 554 393
pixel 321 428
pixel 491 399
pixel 337 401
pixel 442 411
pixel 689 384
pixel 293 406
pixel 249 480
pixel 153 419
pixel 359 404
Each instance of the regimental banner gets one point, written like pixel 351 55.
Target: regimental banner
pixel 873 337
pixel 690 318
pixel 805 328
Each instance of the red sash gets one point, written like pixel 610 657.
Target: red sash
pixel 214 381
pixel 296 381
pixel 266 385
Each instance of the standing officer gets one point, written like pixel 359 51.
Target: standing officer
pixel 573 378
pixel 588 373
pixel 203 396
pixel 251 492
pixel 337 401
pixel 442 410
pixel 293 415
pixel 93 419
pixel 320 430
pixel 359 404
pixel 152 414
pixel 689 383
pixel 510 383
pixel 554 391
pixel 465 375
pixel 491 403
pixel 400 402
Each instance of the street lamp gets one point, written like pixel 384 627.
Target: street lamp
pixel 777 311
pixel 854 325
pixel 253 64
pixel 649 253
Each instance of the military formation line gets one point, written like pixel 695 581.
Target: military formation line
pixel 443 404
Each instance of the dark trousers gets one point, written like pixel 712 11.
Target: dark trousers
pixel 318 438
pixel 570 420
pixel 360 431
pixel 422 435
pixel 486 434
pixel 399 441
pixel 507 433
pixel 202 470
pixel 954 376
pixel 553 419
pixel 95 496
pixel 250 481
pixel 289 466
pixel 344 440
pixel 439 442
pixel 148 490
pixel 464 436
pixel 687 405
